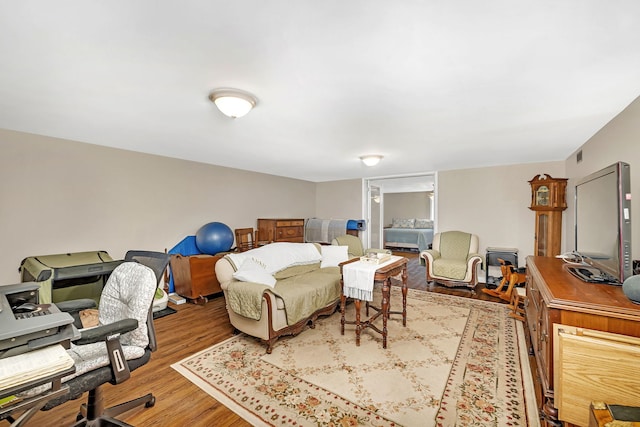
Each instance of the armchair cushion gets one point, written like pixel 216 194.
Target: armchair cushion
pixel 455 245
pixel 450 268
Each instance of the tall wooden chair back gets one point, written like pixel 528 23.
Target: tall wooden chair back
pixel 246 238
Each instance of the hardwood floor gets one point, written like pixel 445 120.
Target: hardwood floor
pixel 193 328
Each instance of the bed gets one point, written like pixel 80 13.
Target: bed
pixel 409 234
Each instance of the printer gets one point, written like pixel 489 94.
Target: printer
pixel 37 326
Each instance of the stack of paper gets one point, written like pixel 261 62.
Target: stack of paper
pixel 33 365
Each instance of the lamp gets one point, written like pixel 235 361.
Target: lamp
pixel 371 159
pixel 233 102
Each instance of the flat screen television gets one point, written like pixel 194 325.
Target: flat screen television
pixel 603 224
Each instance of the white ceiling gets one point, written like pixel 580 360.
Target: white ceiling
pixel 431 84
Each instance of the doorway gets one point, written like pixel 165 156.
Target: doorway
pixel 397 190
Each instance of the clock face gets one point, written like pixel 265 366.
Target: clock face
pixel 542 196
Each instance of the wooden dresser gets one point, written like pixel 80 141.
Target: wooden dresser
pixel 554 296
pixel 280 230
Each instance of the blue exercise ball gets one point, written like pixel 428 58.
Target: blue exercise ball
pixel 213 238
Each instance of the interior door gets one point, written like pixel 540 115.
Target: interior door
pixel 375 216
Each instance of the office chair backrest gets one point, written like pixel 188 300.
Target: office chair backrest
pixel 127 295
pixel 158 262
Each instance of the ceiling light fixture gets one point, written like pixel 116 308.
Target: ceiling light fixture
pixel 233 102
pixel 371 159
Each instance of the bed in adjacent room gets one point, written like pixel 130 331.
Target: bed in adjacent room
pixel 411 233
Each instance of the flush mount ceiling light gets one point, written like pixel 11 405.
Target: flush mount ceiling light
pixel 233 102
pixel 371 159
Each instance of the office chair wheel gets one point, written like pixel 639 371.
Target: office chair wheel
pixel 151 402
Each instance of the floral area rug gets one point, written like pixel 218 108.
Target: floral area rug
pixel 457 362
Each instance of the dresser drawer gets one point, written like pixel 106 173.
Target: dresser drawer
pixel 290 223
pixel 289 232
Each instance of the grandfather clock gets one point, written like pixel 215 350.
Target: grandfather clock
pixel 548 200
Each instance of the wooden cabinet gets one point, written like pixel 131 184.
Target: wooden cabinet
pixel 194 277
pixel 548 200
pixel 548 233
pixel 554 296
pixel 280 230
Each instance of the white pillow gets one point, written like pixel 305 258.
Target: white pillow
pixel 251 271
pixel 423 223
pixel 332 255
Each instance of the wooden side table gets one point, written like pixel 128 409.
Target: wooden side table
pixel 383 275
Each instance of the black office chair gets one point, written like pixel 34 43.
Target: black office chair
pixel 130 288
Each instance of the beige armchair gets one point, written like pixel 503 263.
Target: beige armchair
pixel 454 259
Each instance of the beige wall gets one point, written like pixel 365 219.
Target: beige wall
pixel 493 203
pixel 59 196
pixel 339 199
pixel 618 141
pixel 406 205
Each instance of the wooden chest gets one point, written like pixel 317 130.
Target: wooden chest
pixel 194 277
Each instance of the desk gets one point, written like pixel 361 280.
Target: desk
pixel 32 351
pixel 384 275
